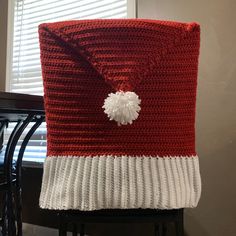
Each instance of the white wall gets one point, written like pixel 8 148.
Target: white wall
pixel 216 108
pixel 3 43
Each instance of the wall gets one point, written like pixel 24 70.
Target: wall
pixel 3 42
pixel 216 108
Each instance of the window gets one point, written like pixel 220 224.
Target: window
pixel 24 73
pixel 23 69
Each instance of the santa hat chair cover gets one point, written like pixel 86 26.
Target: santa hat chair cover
pixel 120 109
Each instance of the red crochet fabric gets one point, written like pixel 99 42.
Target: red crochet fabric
pixel 158 60
pixel 83 61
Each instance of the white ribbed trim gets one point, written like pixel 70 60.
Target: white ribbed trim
pixel 92 183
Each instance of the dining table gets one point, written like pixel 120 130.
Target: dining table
pixel 20 109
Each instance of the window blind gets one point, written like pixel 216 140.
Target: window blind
pixel 25 75
pixel 25 69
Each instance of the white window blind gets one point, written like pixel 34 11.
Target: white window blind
pixel 24 72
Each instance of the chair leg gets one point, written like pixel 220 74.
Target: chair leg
pixel 11 227
pixel 18 200
pixel 4 215
pixel 156 230
pixel 179 228
pixel 74 233
pixel 62 226
pixel 63 230
pixel 179 224
pixel 82 229
pixel 164 230
pixel 159 229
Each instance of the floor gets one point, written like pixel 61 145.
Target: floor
pixel 34 230
pixel 96 229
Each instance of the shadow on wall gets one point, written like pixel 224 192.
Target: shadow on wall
pixel 192 220
pixel 217 205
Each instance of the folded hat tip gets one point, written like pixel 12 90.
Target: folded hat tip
pixel 193 26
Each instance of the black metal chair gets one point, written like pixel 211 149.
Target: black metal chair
pixel 10 172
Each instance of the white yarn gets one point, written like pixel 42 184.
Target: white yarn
pixel 123 107
pixel 108 181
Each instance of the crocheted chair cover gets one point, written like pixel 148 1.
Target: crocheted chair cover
pixel 140 155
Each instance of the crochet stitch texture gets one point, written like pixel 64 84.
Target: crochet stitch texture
pixel 92 163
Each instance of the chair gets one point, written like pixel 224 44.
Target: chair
pixel 10 171
pixel 76 221
pixel 120 100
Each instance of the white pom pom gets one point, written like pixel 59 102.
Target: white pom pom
pixel 123 107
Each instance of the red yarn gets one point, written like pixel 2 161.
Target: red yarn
pixel 83 61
